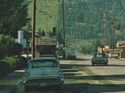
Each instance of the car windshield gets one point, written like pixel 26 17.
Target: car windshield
pixel 98 55
pixel 43 63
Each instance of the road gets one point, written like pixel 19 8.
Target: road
pixel 81 77
pixel 95 79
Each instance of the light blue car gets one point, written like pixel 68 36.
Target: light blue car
pixel 43 72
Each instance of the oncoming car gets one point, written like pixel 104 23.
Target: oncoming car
pixel 71 55
pixel 99 59
pixel 43 72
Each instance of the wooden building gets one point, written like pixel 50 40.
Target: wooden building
pixel 121 47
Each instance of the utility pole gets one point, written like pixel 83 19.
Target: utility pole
pixel 114 28
pixel 106 24
pixel 105 29
pixel 63 28
pixel 33 28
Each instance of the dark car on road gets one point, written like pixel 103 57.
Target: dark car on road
pixel 71 55
pixel 99 59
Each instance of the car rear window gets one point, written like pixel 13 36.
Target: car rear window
pixel 43 63
pixel 98 55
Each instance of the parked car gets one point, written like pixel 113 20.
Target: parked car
pixel 99 59
pixel 43 72
pixel 71 55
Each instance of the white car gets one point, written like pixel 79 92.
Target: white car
pixel 43 72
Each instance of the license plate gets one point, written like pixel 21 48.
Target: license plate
pixel 43 84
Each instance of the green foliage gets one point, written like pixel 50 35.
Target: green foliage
pixel 5 42
pixel 21 62
pixel 4 68
pixel 83 46
pixel 98 43
pixel 8 47
pixel 15 49
pixel 11 61
pixel 9 64
pixel 85 18
pixel 13 16
pixel 47 14
pixel 87 48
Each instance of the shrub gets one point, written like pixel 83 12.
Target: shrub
pixel 8 47
pixel 9 64
pixel 88 48
pixel 4 69
pixel 11 61
pixel 21 63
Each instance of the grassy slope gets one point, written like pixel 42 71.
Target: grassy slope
pixel 47 14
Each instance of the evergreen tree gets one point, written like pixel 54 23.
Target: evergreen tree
pixel 13 16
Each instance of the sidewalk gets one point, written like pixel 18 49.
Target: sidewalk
pixel 10 82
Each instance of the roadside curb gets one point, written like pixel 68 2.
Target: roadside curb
pixel 11 88
pixel 8 90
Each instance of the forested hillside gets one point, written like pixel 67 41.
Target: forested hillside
pixel 85 18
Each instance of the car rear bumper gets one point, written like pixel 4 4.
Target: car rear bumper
pixel 43 83
pixel 99 62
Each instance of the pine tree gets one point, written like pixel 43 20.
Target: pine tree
pixel 13 16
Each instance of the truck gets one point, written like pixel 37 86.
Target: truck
pixel 45 45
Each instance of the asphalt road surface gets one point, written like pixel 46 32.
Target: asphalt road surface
pixel 82 77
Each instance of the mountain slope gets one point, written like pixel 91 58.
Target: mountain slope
pixel 85 18
pixel 47 14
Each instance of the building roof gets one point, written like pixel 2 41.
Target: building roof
pixel 122 46
pixel 121 42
